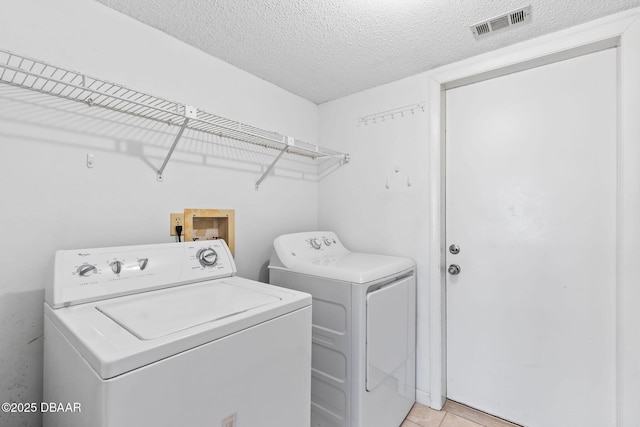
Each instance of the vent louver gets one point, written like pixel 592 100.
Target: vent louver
pixel 483 28
pixel 518 16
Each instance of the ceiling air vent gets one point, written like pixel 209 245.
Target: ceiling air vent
pixel 515 17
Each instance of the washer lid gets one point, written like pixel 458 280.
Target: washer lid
pixel 159 314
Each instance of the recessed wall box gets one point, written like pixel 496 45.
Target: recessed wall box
pixel 210 224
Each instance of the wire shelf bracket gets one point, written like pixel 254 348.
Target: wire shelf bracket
pixel 190 112
pixel 39 76
pixel 264 175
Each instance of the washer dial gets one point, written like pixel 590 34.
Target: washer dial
pixel 315 243
pixel 87 270
pixel 207 257
pixel 116 266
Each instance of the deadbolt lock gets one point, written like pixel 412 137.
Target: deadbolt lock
pixel 454 269
pixel 454 249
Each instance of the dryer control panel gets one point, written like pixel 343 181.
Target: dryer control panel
pixel 304 247
pixel 84 275
pixel 321 254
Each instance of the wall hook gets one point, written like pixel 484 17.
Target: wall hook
pixel 384 115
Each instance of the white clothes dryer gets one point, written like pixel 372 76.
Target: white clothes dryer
pixel 364 326
pixel 166 335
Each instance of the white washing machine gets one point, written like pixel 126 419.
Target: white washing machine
pixel 166 335
pixel 364 325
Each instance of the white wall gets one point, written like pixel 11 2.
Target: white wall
pixel 51 200
pixel 354 200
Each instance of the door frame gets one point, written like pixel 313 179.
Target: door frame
pixel 621 30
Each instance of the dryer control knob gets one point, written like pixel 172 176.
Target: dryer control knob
pixel 207 257
pixel 142 263
pixel 116 267
pixel 86 270
pixel 315 243
pixel 327 241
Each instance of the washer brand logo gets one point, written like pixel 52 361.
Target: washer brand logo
pixel 85 254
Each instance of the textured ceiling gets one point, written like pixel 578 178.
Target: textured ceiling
pixel 326 49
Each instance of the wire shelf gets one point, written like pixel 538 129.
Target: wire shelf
pixel 35 75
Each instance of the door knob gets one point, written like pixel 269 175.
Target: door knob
pixel 454 269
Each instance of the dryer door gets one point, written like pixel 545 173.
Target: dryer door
pixel 390 311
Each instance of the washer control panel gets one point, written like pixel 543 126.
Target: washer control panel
pixel 93 274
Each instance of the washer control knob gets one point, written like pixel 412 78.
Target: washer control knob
pixel 327 241
pixel 142 263
pixel 116 266
pixel 315 243
pixel 207 257
pixel 87 270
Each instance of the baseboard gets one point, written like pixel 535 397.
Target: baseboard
pixel 423 397
pixel 476 416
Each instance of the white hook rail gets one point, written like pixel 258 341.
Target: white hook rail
pixel 41 77
pixel 391 114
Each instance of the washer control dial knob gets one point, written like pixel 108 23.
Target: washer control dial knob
pixel 142 263
pixel 87 270
pixel 207 257
pixel 315 243
pixel 116 266
pixel 327 241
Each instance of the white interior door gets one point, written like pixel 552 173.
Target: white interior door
pixel 531 176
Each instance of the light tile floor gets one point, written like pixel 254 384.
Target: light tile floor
pixel 423 416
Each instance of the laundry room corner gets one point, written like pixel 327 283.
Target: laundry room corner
pixel 440 200
pixel 75 177
pixel 379 203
